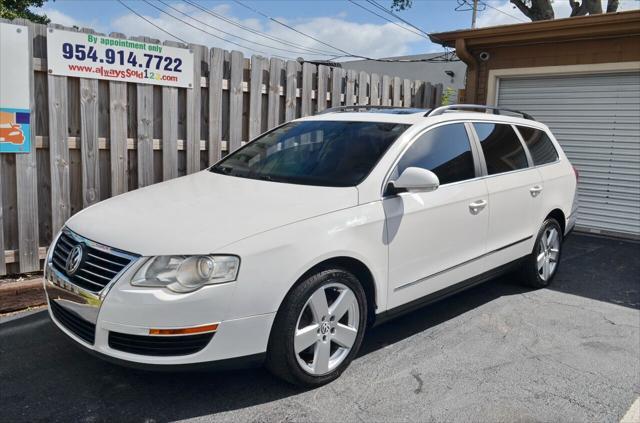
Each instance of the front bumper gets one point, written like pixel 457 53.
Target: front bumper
pixel 122 311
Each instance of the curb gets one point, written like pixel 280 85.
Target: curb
pixel 16 296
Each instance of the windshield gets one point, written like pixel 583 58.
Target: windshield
pixel 327 153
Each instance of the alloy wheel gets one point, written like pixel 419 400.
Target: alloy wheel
pixel 327 328
pixel 548 253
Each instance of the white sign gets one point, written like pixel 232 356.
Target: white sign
pixel 15 89
pixel 95 56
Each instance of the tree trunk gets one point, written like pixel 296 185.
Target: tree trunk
pixel 612 6
pixel 539 10
pixel 588 7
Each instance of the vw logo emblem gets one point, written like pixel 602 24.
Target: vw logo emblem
pixel 74 259
pixel 325 328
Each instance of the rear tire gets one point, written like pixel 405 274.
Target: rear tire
pixel 318 329
pixel 539 268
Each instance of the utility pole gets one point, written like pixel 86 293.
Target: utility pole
pixel 475 14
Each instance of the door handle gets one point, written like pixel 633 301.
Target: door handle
pixel 535 190
pixel 477 206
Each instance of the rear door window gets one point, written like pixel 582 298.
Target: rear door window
pixel 539 144
pixel 503 151
pixel 444 150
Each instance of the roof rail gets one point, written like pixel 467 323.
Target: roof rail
pixel 368 107
pixel 495 110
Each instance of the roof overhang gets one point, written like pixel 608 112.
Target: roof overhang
pixel 582 27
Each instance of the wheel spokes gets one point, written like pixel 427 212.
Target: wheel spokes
pixel 345 336
pixel 342 304
pixel 546 269
pixel 540 261
pixel 553 255
pixel 305 337
pixel 318 305
pixel 321 357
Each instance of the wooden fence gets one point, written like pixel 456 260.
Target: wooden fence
pixel 92 139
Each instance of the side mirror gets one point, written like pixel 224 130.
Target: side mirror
pixel 416 179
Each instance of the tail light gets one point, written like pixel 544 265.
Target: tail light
pixel 575 171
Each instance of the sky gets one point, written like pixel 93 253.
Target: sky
pixel 338 26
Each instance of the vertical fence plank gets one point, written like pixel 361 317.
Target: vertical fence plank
pixel 418 93
pixel 27 181
pixel 144 101
pixel 428 95
pixel 406 93
pixel 350 87
pixel 306 105
pixel 235 101
pixel 374 90
pixel 438 95
pixel 292 86
pixel 321 92
pixel 59 151
pixel 273 112
pixel 386 91
pixel 118 108
pixel 169 133
pixel 118 137
pixel 192 146
pixel 363 83
pixel 216 69
pixel 170 127
pixel 144 128
pixel 397 101
pixel 337 75
pixel 255 96
pixel 89 141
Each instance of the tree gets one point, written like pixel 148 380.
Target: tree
pixel 540 10
pixel 12 9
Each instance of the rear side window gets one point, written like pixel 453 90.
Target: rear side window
pixel 539 145
pixel 444 150
pixel 503 151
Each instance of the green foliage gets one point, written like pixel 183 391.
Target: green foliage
pixel 448 96
pixel 12 9
pixel 401 4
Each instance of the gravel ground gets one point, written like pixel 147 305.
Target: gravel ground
pixel 497 352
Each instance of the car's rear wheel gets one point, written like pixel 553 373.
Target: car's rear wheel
pixel 541 266
pixel 318 329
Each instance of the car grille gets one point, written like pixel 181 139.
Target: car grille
pixel 159 345
pixel 72 321
pixel 97 267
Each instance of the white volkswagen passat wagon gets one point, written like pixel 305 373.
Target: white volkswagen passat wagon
pixel 285 251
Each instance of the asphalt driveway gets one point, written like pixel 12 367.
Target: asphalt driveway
pixel 498 352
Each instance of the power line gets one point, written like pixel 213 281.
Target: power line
pixel 209 33
pixel 228 33
pixel 148 21
pixel 347 54
pixel 255 31
pixel 381 7
pixel 503 12
pixel 387 19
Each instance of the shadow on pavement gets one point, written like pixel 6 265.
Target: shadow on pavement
pixel 43 376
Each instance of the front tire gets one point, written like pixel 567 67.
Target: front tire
pixel 541 266
pixel 319 328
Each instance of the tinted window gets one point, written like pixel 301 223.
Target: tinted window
pixel 539 145
pixel 325 153
pixel 444 150
pixel 502 148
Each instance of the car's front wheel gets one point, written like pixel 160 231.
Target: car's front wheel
pixel 318 329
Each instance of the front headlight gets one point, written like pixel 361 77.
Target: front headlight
pixel 187 273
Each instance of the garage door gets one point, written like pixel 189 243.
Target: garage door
pixel 596 118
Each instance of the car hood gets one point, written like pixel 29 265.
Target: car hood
pixel 203 212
